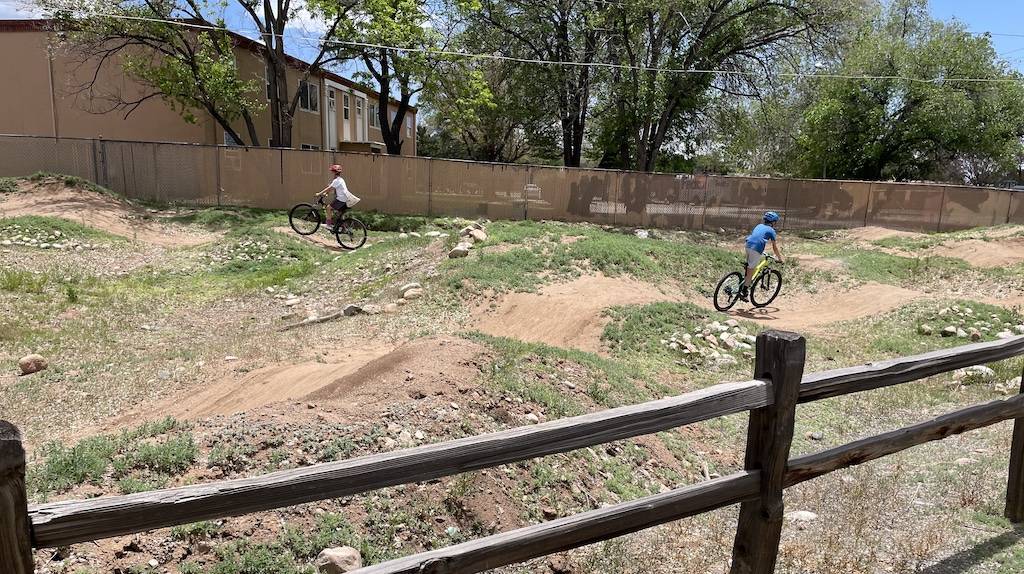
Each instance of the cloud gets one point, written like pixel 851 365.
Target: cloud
pixel 18 9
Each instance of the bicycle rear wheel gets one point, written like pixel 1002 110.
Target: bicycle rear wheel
pixel 305 219
pixel 350 233
pixel 766 288
pixel 728 291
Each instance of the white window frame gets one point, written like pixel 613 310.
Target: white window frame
pixel 408 126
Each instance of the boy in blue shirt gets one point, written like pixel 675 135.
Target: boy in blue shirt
pixel 756 243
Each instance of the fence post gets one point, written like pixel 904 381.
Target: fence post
pixel 15 536
pixel 1015 483
pixel 780 359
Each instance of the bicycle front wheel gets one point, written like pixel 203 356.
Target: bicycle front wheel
pixel 351 233
pixel 766 288
pixel 728 291
pixel 305 219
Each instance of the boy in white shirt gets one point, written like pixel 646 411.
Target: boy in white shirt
pixel 343 198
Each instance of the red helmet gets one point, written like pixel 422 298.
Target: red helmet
pixel 336 168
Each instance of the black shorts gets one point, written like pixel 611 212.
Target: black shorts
pixel 339 206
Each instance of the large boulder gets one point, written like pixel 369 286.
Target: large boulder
pixel 460 250
pixel 478 235
pixel 32 364
pixel 338 560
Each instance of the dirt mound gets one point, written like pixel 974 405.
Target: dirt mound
pixel 568 315
pixel 872 233
pixel 980 253
pixel 103 212
pixel 436 366
pixel 810 312
pixel 238 393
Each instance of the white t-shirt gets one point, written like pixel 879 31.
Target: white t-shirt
pixel 341 192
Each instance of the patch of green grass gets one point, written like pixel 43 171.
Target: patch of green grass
pixel 195 531
pixel 893 269
pixel 515 270
pixel 17 281
pixel 385 222
pixel 131 484
pixel 8 185
pixel 138 463
pixel 51 227
pixel 71 181
pixel 612 383
pixel 639 329
pixel 230 217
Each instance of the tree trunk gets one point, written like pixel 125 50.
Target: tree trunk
pixel 254 138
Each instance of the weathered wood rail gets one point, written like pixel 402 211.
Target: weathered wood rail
pixel 771 398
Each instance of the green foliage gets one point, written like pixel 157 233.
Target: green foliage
pixel 195 531
pixel 17 281
pixel 8 185
pixel 70 181
pixel 228 217
pixel 921 122
pixel 198 78
pixel 376 221
pixel 138 462
pixel 640 329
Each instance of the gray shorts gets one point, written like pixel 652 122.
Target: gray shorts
pixel 753 257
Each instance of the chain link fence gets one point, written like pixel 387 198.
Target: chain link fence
pixel 276 179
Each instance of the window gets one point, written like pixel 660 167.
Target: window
pixel 359 109
pixel 408 126
pixel 374 120
pixel 345 106
pixel 229 140
pixel 309 146
pixel 309 97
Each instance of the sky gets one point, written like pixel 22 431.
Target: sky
pixel 1002 18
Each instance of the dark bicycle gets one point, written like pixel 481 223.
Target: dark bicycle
pixel 764 285
pixel 306 219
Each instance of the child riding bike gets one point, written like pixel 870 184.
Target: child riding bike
pixel 343 198
pixel 755 245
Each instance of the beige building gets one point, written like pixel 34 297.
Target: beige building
pixel 42 97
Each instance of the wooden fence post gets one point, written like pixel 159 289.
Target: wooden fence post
pixel 1015 483
pixel 780 359
pixel 15 537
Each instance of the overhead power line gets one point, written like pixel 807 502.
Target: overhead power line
pixel 600 65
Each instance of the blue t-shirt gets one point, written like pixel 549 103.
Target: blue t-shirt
pixel 758 238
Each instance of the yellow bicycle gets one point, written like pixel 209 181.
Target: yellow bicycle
pixel 765 285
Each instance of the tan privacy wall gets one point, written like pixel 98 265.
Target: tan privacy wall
pixel 278 179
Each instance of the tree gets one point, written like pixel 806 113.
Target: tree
pixel 675 56
pixel 493 109
pixel 393 40
pixel 920 119
pixel 563 31
pixel 180 52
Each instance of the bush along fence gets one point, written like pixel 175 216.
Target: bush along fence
pixel 278 178
pixel 771 397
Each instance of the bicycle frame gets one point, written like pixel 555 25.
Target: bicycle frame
pixel 766 262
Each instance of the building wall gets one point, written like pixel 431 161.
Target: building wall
pixel 32 108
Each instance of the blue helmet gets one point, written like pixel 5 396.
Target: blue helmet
pixel 771 217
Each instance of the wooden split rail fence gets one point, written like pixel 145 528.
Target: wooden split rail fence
pixel 771 397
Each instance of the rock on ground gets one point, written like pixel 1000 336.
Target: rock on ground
pixel 409 287
pixel 977 373
pixel 413 294
pixel 32 364
pixel 460 250
pixel 338 560
pixel 801 516
pixel 478 235
pixel 351 310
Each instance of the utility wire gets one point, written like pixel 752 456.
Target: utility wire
pixel 603 65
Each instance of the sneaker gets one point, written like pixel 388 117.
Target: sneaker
pixel 743 294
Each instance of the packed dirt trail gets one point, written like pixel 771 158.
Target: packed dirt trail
pixel 987 254
pixel 873 233
pixel 237 393
pixel 99 211
pixel 568 315
pixel 811 312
